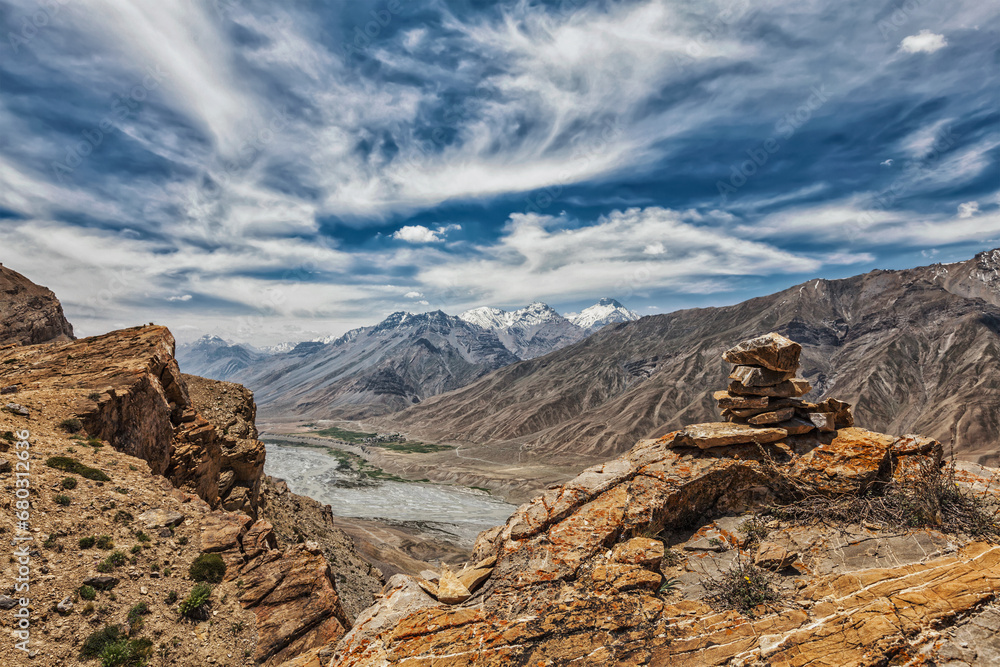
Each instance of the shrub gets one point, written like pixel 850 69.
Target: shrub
pixel 122 490
pixel 87 542
pixel 135 615
pixel 117 558
pixel 182 540
pixel 88 609
pixel 69 483
pixel 742 587
pixel 72 425
pixel 96 641
pixel 105 566
pixel 136 549
pixel 126 653
pixel 105 542
pixel 87 592
pixel 195 600
pixel 8 436
pixel 95 395
pixel 95 443
pixel 208 567
pixel 67 464
pixel 121 516
pixel 61 499
pixel 142 537
pixel 171 597
pixel 754 530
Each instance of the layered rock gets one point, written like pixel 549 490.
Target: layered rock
pixel 583 573
pixel 29 314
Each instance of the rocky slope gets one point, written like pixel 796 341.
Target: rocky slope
pixel 403 360
pixel 825 545
pixel 168 468
pixel 914 349
pixel 31 314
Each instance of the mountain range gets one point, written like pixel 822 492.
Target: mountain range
pixel 389 366
pixel 916 350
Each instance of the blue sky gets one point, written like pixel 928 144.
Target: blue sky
pixel 275 171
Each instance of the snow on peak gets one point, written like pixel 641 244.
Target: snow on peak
pixel 604 312
pixel 490 317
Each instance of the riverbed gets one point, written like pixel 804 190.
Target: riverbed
pixel 451 513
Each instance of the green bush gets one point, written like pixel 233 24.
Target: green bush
pixel 61 499
pixel 142 537
pixel 126 653
pixel 72 425
pixel 117 558
pixel 135 615
pixel 136 549
pixel 69 483
pixel 105 542
pixel 195 600
pixel 742 587
pixel 87 542
pixel 87 592
pixel 96 641
pixel 171 597
pixel 67 464
pixel 105 566
pixel 208 567
pixel 121 516
pixel 182 540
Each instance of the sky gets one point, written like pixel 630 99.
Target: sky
pixel 279 171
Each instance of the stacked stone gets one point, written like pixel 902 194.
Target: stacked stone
pixel 762 403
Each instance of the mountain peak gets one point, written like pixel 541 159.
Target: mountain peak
pixel 605 311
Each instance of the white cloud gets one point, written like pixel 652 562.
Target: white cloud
pixel 183 297
pixel 924 41
pixel 886 163
pixel 654 249
pixel 968 209
pixel 413 295
pixel 417 234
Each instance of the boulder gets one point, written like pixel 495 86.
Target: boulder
pixel 787 389
pixel 758 376
pixel 720 434
pixel 772 351
pixel 160 517
pixel 824 422
pixel 451 590
pixel 771 556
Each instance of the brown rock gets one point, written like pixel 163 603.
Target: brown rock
pixel 772 351
pixel 639 551
pixel 29 314
pixel 729 401
pixel 825 422
pixel 796 426
pixel 451 590
pixel 781 415
pixel 719 434
pixel 786 389
pixel 160 517
pixel 758 376
pixel 771 556
pixel 849 463
pixel 474 577
pixel 842 413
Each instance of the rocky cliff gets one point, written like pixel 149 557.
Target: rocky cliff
pixel 792 540
pixel 137 474
pixel 30 314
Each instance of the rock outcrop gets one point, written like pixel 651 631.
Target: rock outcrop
pixel 29 314
pixel 617 565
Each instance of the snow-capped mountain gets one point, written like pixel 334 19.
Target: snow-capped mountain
pixel 528 332
pixel 216 358
pixel 604 312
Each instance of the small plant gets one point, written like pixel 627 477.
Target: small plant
pixel 135 615
pixel 742 587
pixel 135 549
pixel 104 567
pixel 754 531
pixel 208 567
pixel 155 567
pixel 49 542
pixel 672 558
pixel 196 599
pixel 182 540
pixel 716 542
pixel 171 597
pixel 87 542
pixel 71 425
pixel 87 592
pixel 8 436
pixel 121 516
pixel 126 653
pixel 95 443
pixel 96 641
pixel 142 537
pixel 67 464
pixel 105 542
pixel 88 609
pixel 132 466
pixel 61 499
pixel 95 395
pixel 166 571
pixel 71 450
pixel 68 483
pixel 117 558
pixel 669 585
pixel 236 628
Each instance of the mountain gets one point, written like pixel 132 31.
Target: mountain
pixel 529 332
pixel 916 349
pixel 29 313
pixel 374 370
pixel 601 314
pixel 213 357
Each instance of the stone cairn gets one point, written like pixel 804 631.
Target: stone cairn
pixel 762 403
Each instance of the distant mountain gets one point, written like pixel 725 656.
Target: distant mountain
pixel 374 370
pixel 529 332
pixel 914 350
pixel 217 359
pixel 603 313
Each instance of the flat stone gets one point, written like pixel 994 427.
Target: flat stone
pixel 787 389
pixel 842 412
pixel 17 409
pixel 65 606
pixel 474 577
pixel 825 422
pixel 639 551
pixel 720 434
pixel 758 376
pixel 772 351
pixel 12 389
pixel 7 602
pixel 781 415
pixel 796 426
pixel 102 583
pixel 729 401
pixel 451 590
pixel 771 556
pixel 160 517
pixel 430 575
